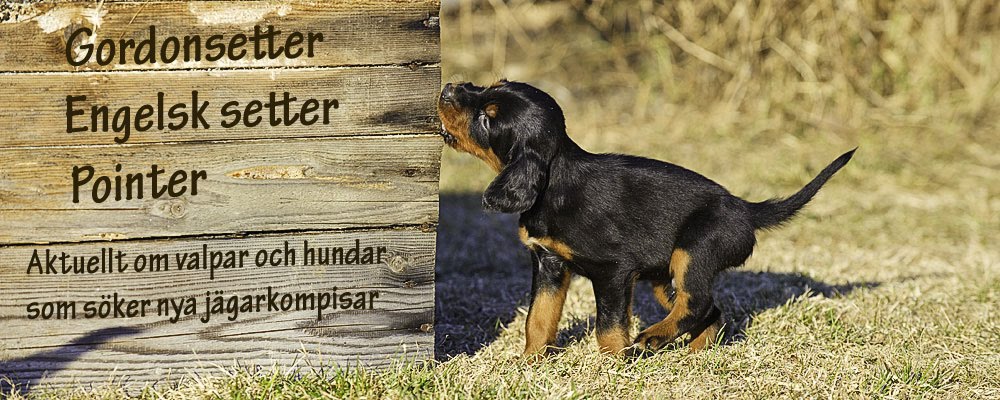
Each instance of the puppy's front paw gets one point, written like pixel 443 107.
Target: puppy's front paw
pixel 648 342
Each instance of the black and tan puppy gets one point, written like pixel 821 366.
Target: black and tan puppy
pixel 611 218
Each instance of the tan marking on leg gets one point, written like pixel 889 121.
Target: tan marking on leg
pixel 680 260
pixel 456 121
pixel 667 328
pixel 612 341
pixel 707 338
pixel 662 294
pixel 543 317
pixel 616 339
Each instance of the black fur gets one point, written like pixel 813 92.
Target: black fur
pixel 621 216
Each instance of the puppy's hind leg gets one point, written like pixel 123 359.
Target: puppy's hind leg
pixel 721 238
pixel 614 312
pixel 692 302
pixel 662 291
pixel 709 334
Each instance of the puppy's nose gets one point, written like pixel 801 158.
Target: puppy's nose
pixel 448 93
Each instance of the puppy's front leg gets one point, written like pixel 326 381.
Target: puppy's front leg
pixel 614 311
pixel 550 281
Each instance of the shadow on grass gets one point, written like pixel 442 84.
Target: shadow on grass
pixel 742 294
pixel 484 274
pixel 20 375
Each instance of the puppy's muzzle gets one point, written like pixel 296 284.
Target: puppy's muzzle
pixel 447 97
pixel 448 93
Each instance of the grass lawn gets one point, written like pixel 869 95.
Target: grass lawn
pixel 886 285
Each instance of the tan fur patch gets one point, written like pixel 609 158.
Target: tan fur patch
pixel 522 233
pixel 549 244
pixel 613 340
pixel 543 317
pixel 456 122
pixel 707 338
pixel 556 246
pixel 662 293
pixel 679 262
pixel 491 110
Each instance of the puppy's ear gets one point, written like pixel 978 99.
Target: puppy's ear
pixel 518 185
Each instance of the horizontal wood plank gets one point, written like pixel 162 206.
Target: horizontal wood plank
pixel 369 32
pixel 370 100
pixel 147 348
pixel 250 187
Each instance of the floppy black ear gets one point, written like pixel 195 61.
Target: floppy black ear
pixel 518 185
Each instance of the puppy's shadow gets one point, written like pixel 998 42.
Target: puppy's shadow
pixel 484 273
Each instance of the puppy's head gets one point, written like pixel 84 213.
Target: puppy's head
pixel 512 126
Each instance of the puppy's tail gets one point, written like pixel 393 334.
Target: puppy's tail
pixel 774 212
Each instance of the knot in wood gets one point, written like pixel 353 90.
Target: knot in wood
pixel 176 209
pixel 397 264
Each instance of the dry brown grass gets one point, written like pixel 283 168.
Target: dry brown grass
pixel 888 284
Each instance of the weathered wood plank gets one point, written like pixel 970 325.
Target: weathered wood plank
pixel 147 348
pixel 371 100
pixel 250 186
pixel 369 174
pixel 370 32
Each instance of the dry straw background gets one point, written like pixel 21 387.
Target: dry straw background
pixel 887 285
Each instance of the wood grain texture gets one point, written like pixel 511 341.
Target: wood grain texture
pixel 144 349
pixel 370 174
pixel 251 187
pixel 369 32
pixel 371 100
